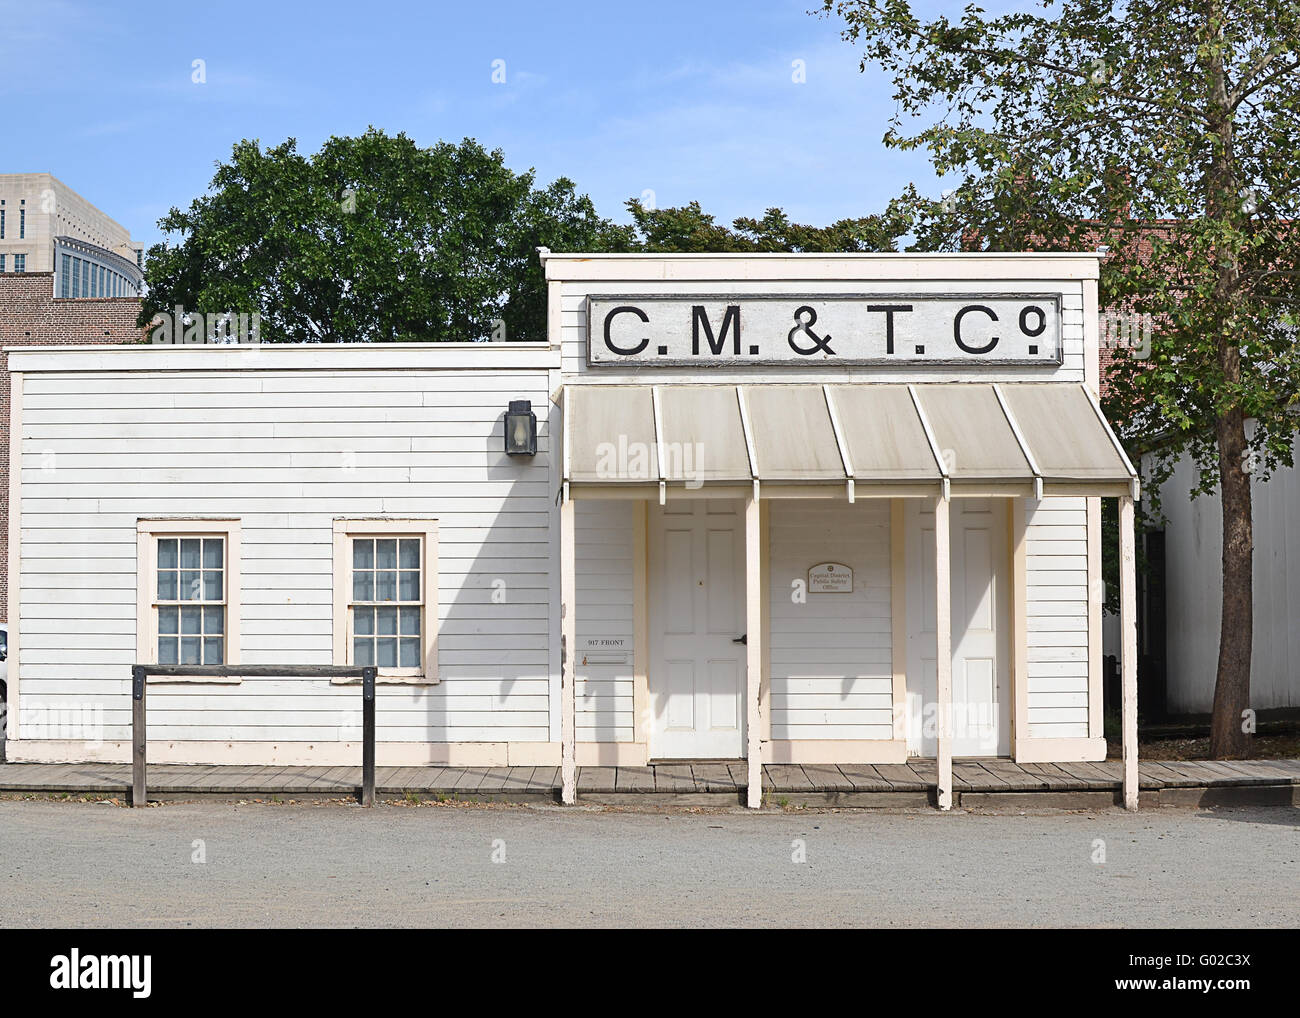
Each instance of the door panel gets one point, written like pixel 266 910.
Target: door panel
pixel 981 685
pixel 725 694
pixel 680 687
pixel 697 672
pixel 678 612
pixel 720 583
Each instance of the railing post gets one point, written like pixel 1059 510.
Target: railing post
pixel 139 795
pixel 368 736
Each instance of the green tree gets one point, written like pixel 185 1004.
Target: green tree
pixel 372 239
pixel 689 228
pixel 1101 121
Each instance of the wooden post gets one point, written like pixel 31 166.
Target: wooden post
pixel 1128 651
pixel 898 616
pixel 641 626
pixel 368 736
pixel 754 651
pixel 943 649
pixel 765 626
pixel 139 793
pixel 1016 523
pixel 568 657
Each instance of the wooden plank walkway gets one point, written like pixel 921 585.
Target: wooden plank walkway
pixel 806 782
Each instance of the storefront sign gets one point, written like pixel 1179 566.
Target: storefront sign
pixel 877 329
pixel 830 578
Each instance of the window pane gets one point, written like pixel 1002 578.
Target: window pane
pixel 386 586
pixel 408 587
pixel 363 554
pixel 214 621
pixel 190 586
pixel 409 554
pixel 190 552
pixel 410 653
pixel 387 621
pixel 363 586
pixel 168 619
pixel 363 651
pixel 386 652
pixel 386 553
pixel 212 585
pixel 167 586
pixel 212 553
pixel 363 621
pixel 213 650
pixel 410 621
pixel 190 620
pixel 190 650
pixel 167 553
pixel 167 650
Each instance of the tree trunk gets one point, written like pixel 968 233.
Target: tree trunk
pixel 1228 740
pixel 1236 622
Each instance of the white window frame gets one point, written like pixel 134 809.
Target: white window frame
pixel 359 527
pixel 148 531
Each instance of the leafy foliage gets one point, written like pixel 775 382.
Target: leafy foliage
pixel 1169 131
pixel 372 239
pixel 376 239
pixel 689 228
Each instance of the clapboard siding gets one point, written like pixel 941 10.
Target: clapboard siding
pixel 1056 616
pixel 831 656
pixel 286 453
pixel 605 537
pixel 1194 591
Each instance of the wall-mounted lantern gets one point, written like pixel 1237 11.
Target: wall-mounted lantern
pixel 521 428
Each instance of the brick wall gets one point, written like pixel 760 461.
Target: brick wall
pixel 31 316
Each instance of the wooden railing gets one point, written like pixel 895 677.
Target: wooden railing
pixel 140 681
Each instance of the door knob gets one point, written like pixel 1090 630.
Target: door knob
pixel 743 638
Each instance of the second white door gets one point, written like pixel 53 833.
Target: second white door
pixel 981 687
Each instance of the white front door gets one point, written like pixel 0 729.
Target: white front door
pixel 981 687
pixel 697 598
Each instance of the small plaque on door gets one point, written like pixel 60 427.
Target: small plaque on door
pixel 830 578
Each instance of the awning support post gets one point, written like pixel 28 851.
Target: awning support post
pixel 568 658
pixel 753 652
pixel 943 649
pixel 1128 651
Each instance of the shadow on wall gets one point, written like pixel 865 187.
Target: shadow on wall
pixel 495 582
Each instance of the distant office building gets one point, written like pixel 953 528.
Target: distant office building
pixel 45 226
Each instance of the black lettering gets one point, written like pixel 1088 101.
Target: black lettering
pixel 805 318
pixel 956 328
pixel 1042 320
pixel 889 310
pixel 609 318
pixel 730 320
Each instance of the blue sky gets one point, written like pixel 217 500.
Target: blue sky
pixel 688 100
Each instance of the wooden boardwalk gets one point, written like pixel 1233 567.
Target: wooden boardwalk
pixel 985 780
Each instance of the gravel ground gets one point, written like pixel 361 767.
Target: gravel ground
pixel 333 864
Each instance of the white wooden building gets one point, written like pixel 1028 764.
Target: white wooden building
pixel 1193 591
pixel 882 473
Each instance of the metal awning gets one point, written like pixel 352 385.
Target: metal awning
pixel 877 439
